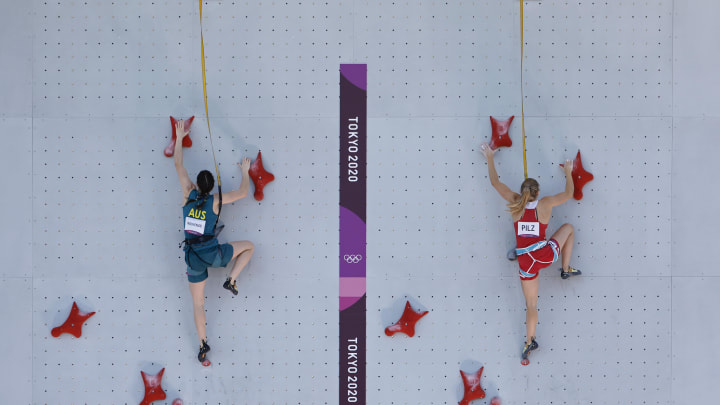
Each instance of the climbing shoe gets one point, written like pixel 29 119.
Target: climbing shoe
pixel 569 273
pixel 204 348
pixel 526 351
pixel 511 255
pixel 232 287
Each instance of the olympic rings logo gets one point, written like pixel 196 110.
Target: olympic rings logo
pixel 352 259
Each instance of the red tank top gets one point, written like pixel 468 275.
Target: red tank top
pixel 528 229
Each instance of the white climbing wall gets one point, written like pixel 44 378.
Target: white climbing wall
pixel 92 207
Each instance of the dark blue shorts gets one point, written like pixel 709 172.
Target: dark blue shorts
pixel 217 255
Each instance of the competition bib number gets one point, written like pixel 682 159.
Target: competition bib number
pixel 528 228
pixel 194 226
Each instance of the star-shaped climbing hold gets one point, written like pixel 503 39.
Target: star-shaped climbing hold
pixel 407 321
pixel 187 142
pixel 260 177
pixel 471 386
pixel 500 135
pixel 153 387
pixel 580 176
pixel 73 324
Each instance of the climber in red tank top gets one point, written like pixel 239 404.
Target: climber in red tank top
pixel 530 238
pixel 530 217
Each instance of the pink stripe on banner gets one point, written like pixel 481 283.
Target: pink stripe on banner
pixel 352 286
pixel 347 302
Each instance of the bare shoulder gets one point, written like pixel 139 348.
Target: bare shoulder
pixel 186 193
pixel 553 200
pixel 505 192
pixel 544 202
pixel 544 209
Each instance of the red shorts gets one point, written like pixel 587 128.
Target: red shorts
pixel 531 263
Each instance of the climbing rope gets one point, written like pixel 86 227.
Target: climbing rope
pixel 522 95
pixel 207 116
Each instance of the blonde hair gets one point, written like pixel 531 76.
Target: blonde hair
pixel 528 192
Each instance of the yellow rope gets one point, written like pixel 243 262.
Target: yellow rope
pixel 522 95
pixel 207 116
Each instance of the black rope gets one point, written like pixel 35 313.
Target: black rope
pixel 220 205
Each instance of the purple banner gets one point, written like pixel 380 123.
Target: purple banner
pixel 352 244
pixel 353 189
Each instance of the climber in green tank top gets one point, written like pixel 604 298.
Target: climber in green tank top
pixel 202 249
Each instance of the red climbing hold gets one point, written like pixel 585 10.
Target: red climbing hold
pixel 206 363
pixel 73 324
pixel 187 142
pixel 153 387
pixel 500 135
pixel 580 176
pixel 471 386
pixel 407 321
pixel 179 401
pixel 495 401
pixel 260 177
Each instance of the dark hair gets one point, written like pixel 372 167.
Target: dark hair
pixel 205 182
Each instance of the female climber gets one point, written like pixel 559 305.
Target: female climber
pixel 202 250
pixel 534 252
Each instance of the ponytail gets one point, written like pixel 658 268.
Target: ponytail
pixel 205 182
pixel 528 192
pixel 201 200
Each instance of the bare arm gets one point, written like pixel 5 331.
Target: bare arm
pixel 185 181
pixel 240 193
pixel 502 189
pixel 557 199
